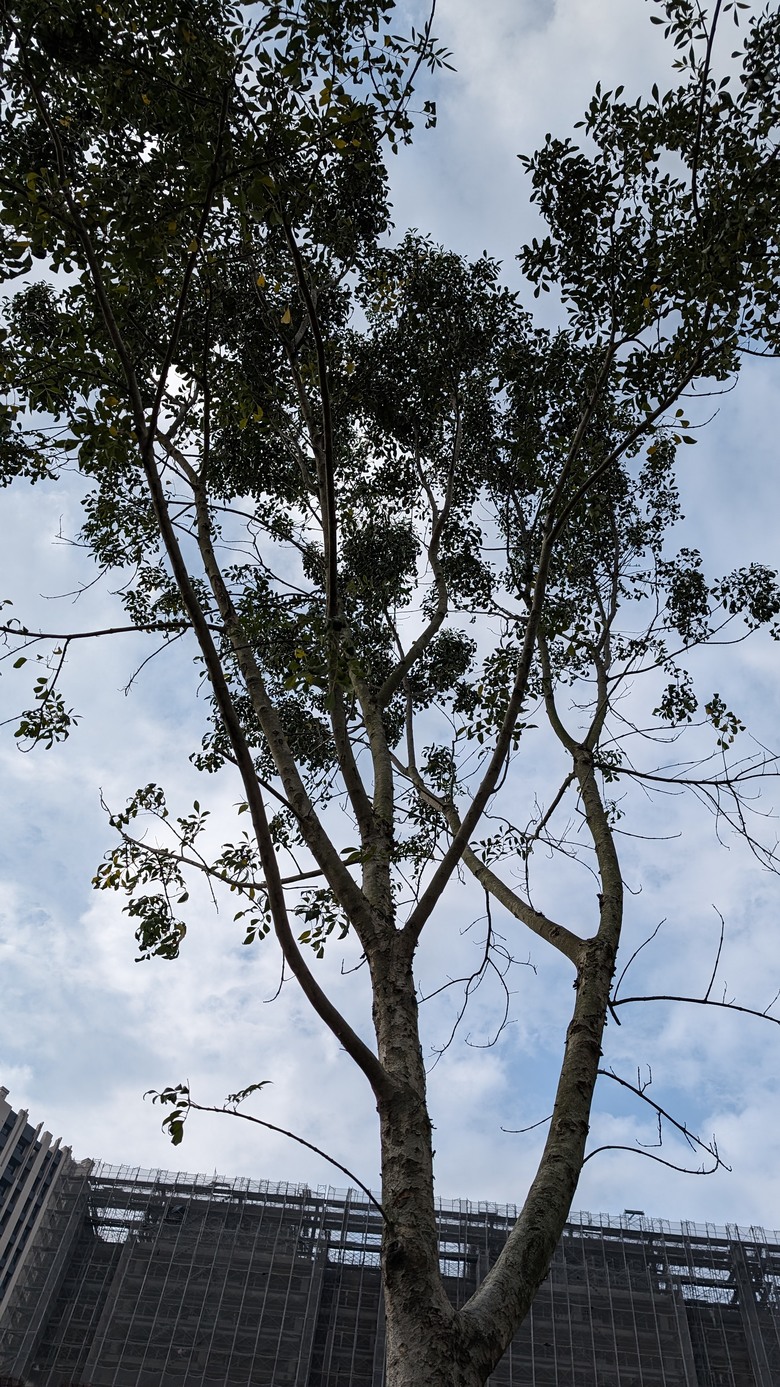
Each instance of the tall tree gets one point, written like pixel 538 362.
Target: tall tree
pixel 400 524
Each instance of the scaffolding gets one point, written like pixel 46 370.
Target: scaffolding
pixel 163 1279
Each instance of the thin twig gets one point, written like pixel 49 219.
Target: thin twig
pixel 638 950
pixel 717 956
pixel 519 1131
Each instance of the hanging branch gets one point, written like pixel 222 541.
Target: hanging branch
pixel 179 1096
pixel 693 1141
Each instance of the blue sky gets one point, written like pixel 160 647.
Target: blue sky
pixel 84 1030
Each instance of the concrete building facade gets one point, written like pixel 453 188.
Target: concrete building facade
pixel 37 1219
pixel 162 1279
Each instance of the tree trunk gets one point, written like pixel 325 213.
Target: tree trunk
pixel 427 1356
pixel 422 1326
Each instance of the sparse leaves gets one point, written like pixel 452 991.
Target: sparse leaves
pixel 323 917
pixel 726 723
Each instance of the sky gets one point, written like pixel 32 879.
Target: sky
pixel 85 1030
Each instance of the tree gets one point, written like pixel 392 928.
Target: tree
pixel 401 525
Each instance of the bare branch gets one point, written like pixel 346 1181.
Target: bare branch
pixel 473 982
pixel 700 113
pixel 554 803
pixel 230 1109
pixel 718 954
pixel 520 1131
pixel 693 1141
pixel 703 1002
pixel 157 651
pixel 672 1165
pixel 152 628
pixel 638 950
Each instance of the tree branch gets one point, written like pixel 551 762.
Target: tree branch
pixel 497 760
pixel 662 1115
pixel 151 627
pixel 180 1096
pixel 355 1047
pixel 703 1002
pixel 326 452
pixel 315 837
pixel 700 113
pixel 439 519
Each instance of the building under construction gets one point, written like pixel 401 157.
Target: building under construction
pixel 156 1279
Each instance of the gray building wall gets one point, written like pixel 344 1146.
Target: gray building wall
pixel 43 1198
pixel 162 1279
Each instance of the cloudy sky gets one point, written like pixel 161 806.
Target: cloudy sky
pixel 84 1030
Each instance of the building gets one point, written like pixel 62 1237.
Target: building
pixel 158 1279
pixel 36 1228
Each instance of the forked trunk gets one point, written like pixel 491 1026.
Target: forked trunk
pixel 424 1356
pixel 425 1336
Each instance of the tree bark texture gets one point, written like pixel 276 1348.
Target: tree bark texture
pixel 429 1343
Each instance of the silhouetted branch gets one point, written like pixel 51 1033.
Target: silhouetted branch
pixel 705 1002
pixel 700 114
pixel 519 1131
pixel 30 637
pixel 638 950
pixel 157 651
pixel 718 954
pixel 179 1096
pixel 694 1142
pixel 472 983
